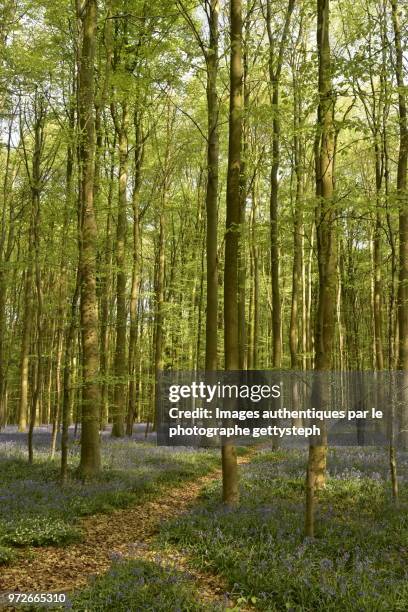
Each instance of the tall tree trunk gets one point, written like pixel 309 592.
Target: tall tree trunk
pixel 25 342
pixel 297 263
pixel 274 234
pixel 377 288
pixel 159 300
pixel 63 390
pixel 90 462
pixel 39 341
pixel 254 310
pixel 36 185
pixel 32 255
pixel 327 258
pixel 242 329
pixel 297 228
pixel 403 226
pixel 160 262
pixel 275 69
pixel 231 288
pixel 211 198
pixel 5 253
pixel 105 299
pixel 120 363
pixel 134 292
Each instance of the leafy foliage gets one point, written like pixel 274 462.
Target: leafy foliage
pixel 38 531
pixel 7 555
pixel 140 585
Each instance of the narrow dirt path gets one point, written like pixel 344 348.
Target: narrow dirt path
pixel 126 533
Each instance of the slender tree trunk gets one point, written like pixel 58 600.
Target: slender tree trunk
pixel 134 292
pixel 327 258
pixel 254 310
pixel 231 288
pixel 200 304
pixel 67 382
pixel 90 462
pixel 57 403
pixel 5 254
pixel 60 388
pixel 211 199
pixel 36 181
pixel 159 301
pixel 105 283
pixel 160 263
pixel 25 343
pixel 32 256
pixel 275 69
pixel 105 292
pixel 120 363
pixel 297 246
pixel 159 298
pixel 276 299
pixel 403 226
pixel 39 322
pixel 297 231
pixel 242 329
pixel 377 289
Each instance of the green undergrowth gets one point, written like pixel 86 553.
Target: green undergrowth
pixel 357 563
pixel 38 531
pixel 35 510
pixel 7 555
pixel 141 585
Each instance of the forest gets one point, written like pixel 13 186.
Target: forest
pixel 200 186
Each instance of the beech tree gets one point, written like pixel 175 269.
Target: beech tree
pixel 326 254
pixel 232 229
pixel 402 168
pixel 90 449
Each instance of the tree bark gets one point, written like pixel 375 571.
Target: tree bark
pixel 105 287
pixel 34 177
pixel 275 69
pixel 403 226
pixel 90 462
pixel 242 329
pixel 231 288
pixel 120 363
pixel 5 254
pixel 377 289
pixel 327 258
pixel 67 383
pixel 211 198
pixel 134 292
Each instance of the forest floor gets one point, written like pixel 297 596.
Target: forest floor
pixel 357 561
pixel 155 536
pixel 122 535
